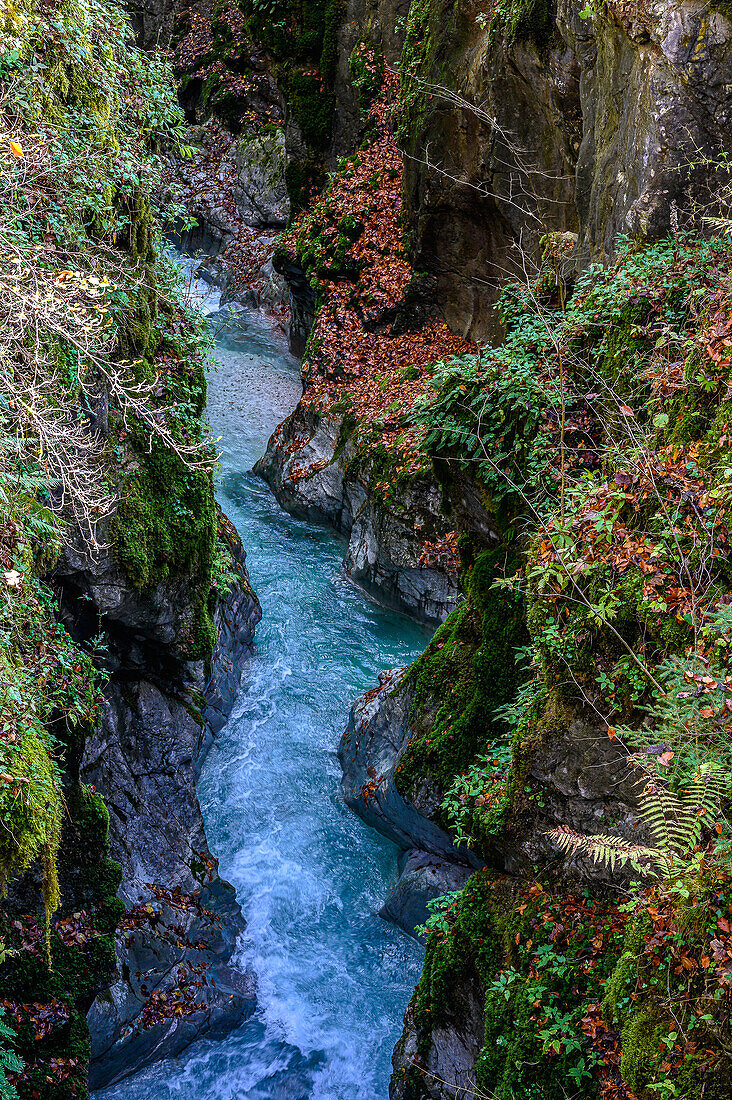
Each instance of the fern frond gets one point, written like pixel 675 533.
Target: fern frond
pixel 722 225
pixel 661 811
pixel 607 849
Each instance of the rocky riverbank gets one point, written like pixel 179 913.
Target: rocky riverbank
pixel 312 466
pixel 176 940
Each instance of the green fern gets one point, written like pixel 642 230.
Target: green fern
pixel 723 226
pixel 675 821
pixel 9 1061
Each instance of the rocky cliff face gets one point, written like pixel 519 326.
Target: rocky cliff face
pixel 121 647
pixel 588 120
pixel 526 133
pixel 160 709
pixel 311 467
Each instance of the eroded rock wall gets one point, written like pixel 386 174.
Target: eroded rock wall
pixel 314 475
pixel 529 120
pixel 160 711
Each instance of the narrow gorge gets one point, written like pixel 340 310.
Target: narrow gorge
pixel 365 590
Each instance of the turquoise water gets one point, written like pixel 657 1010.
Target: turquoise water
pixel 334 979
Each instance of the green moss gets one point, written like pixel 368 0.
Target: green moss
pixel 624 977
pixel 89 883
pixel 303 41
pixel 640 1050
pixel 311 106
pixel 473 946
pixel 466 673
pixel 418 54
pixel 512 948
pixel 512 1061
pixel 165 527
pixel 43 673
pixel 31 813
pixel 517 20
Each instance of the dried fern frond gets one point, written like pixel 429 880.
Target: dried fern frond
pixel 721 225
pixel 607 849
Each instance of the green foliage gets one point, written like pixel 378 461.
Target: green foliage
pixel 9 1060
pixel 117 366
pixel 491 412
pixel 483 787
pixel 100 105
pixel 82 951
pixel 467 672
pixel 366 65
pixel 674 821
pixel 440 911
pixel 518 20
pixel 462 940
pixel 529 954
pixel 42 673
pixel 599 430
pixel 302 38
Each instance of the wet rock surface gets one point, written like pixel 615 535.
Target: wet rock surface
pixel 310 467
pixel 261 192
pixel 449 1068
pixel 175 982
pixel 234 189
pixel 656 110
pixel 175 945
pixel 372 745
pixel 423 878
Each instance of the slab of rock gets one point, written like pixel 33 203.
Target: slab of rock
pixel 175 982
pixel 424 877
pixel 309 465
pixel 372 745
pixel 261 191
pixel 175 945
pixel 450 1061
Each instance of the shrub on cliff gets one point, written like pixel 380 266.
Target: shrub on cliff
pixel 597 435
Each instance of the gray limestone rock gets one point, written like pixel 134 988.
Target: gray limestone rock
pixel 454 1047
pixel 424 877
pixel 175 983
pixel 309 465
pixel 371 748
pixel 183 920
pixel 261 192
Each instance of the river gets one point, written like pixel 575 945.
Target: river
pixel 334 978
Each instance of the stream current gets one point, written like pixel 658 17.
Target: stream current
pixel 334 979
